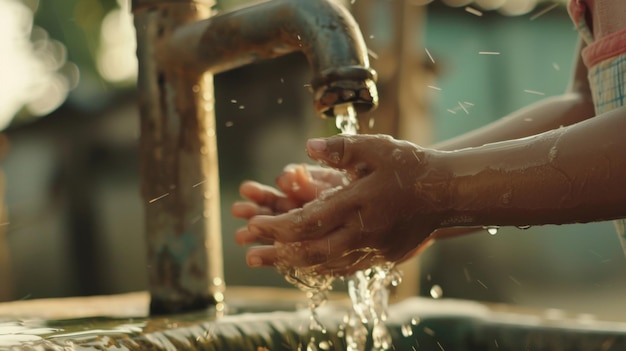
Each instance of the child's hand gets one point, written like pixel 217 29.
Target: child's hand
pixel 384 214
pixel 296 185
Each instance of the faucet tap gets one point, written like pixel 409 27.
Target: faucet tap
pixel 323 30
pixel 180 46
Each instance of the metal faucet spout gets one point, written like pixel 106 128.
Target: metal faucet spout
pixel 323 30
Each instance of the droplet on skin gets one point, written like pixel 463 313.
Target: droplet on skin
pixel 552 153
pixel 334 157
pixel 492 230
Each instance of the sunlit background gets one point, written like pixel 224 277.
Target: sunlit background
pixel 68 113
pixel 39 77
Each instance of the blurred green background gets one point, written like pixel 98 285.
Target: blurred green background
pixel 68 102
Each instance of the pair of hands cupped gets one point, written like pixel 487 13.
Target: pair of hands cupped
pixel 366 207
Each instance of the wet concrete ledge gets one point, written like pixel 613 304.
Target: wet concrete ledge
pixel 261 319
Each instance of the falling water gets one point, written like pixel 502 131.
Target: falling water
pixel 368 289
pixel 315 286
pixel 345 119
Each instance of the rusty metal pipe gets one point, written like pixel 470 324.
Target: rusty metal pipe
pixel 321 29
pixel 179 47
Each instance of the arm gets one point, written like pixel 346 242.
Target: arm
pixel 572 174
pixel 401 193
pixel 573 106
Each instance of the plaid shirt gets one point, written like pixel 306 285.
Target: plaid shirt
pixel 605 57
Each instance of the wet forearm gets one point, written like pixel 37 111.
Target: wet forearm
pixel 562 110
pixel 572 174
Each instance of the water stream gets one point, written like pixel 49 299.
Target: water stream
pixel 368 289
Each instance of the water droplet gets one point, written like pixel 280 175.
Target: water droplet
pixel 233 101
pixel 279 101
pixel 407 330
pixel 523 227
pixel 311 345
pixel 415 321
pixel 493 230
pixel 229 124
pixel 334 157
pixel 325 345
pixel 436 291
pixel 241 107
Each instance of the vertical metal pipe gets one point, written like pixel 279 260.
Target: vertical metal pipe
pixel 179 166
pixel 179 47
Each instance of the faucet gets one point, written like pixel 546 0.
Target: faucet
pixel 181 44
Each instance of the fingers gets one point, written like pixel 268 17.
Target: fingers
pixel 261 256
pixel 344 265
pixel 304 185
pixel 316 219
pixel 355 153
pixel 266 196
pixel 244 237
pixel 332 247
pixel 247 210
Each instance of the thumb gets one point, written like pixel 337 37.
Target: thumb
pixel 329 151
pixel 347 152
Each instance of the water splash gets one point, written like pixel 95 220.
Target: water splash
pixel 368 289
pixel 369 294
pixel 315 286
